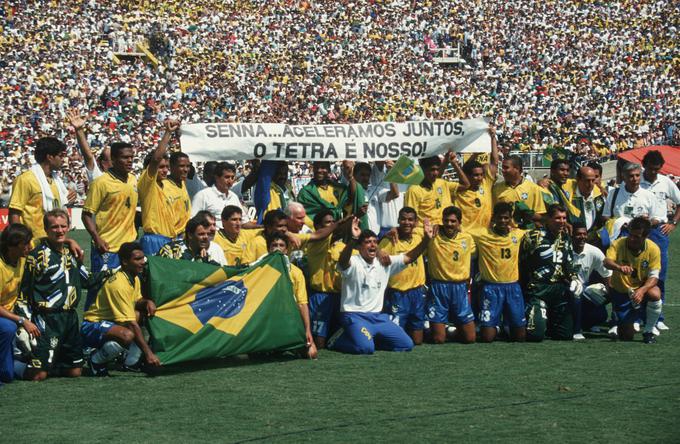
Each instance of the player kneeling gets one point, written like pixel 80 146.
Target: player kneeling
pixel 449 255
pixel 111 325
pixel 498 252
pixel 636 262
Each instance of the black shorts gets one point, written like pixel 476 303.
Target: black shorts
pixel 60 344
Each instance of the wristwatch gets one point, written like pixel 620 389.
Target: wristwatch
pixel 674 222
pixel 20 322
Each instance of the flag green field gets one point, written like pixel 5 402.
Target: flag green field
pixel 205 311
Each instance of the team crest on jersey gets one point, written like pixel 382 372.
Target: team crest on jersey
pixel 463 244
pixel 645 264
pixel 514 239
pixel 599 203
pixel 54 341
pixel 524 196
pixel 439 190
pixel 481 191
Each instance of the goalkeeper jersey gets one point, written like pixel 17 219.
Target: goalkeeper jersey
pixel 546 258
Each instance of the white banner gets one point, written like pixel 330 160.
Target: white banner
pixel 361 141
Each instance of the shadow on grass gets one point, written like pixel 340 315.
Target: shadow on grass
pixel 219 363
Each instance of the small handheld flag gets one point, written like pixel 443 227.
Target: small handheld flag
pixel 405 171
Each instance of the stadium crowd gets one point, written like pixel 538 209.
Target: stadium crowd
pixel 589 77
pixel 373 264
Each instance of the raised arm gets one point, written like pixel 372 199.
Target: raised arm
pixel 346 254
pixel 462 177
pixel 78 124
pixel 170 126
pixel 494 158
pixel 412 255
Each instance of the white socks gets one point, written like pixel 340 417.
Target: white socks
pixel 652 315
pixel 108 352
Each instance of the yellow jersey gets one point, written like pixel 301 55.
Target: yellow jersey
pixel 235 251
pixel 476 206
pixel 180 204
pixel 27 197
pixel 412 276
pixel 527 192
pixel 157 215
pixel 256 247
pixel 322 258
pixel 449 259
pixel 114 203
pixel 10 282
pixel 330 194
pixel 430 202
pixel 116 300
pixel 647 263
pixel 498 255
pixel 299 285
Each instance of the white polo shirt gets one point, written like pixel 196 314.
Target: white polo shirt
pixel 213 200
pixel 663 188
pixel 640 203
pixel 589 260
pixel 363 284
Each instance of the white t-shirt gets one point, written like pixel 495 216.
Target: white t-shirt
pixel 363 284
pixel 213 200
pixel 664 189
pixel 639 203
pixel 216 253
pixel 389 211
pixel 589 260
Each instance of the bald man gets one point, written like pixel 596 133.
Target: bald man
pixel 298 222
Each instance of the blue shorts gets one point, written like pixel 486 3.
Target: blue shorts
pixel 406 308
pixel 623 308
pixel 152 243
pixel 100 262
pixel 449 301
pixel 363 333
pixel 502 298
pixel 93 332
pixel 323 309
pixel 8 331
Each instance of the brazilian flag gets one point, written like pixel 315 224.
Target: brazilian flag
pixel 405 171
pixel 206 311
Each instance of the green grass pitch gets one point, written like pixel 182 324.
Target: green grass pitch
pixel 597 390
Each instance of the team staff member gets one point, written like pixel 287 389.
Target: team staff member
pixel 405 296
pixel 218 196
pixel 39 189
pixel 158 215
pixel 526 197
pixel 364 281
pixel 636 262
pixel 50 289
pixel 434 193
pixel 476 203
pixel 587 199
pixel 112 198
pixel 664 189
pixel 15 244
pixel 449 256
pixel 549 278
pixel 631 200
pixel 498 257
pixel 112 324
pixel 279 242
